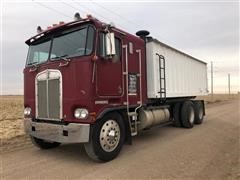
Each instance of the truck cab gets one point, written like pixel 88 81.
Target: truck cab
pixel 74 75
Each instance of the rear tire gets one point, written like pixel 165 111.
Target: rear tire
pixel 199 112
pixel 42 144
pixel 187 114
pixel 176 115
pixel 106 138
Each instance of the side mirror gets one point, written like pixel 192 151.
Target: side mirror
pixel 110 44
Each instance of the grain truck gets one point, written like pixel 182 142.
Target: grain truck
pixel 90 82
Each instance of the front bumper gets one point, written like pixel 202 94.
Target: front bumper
pixel 71 133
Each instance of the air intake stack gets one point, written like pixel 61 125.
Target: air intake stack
pixel 142 34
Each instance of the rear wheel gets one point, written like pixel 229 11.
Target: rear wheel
pixel 199 112
pixel 176 115
pixel 187 114
pixel 106 138
pixel 43 144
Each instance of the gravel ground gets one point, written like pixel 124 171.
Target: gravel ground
pixel 208 151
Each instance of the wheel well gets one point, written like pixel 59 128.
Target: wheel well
pixel 123 114
pixel 128 136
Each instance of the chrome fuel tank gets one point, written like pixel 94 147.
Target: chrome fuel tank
pixel 149 118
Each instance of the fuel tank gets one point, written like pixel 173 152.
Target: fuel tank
pixel 153 117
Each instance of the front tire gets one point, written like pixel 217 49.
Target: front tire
pixel 106 138
pixel 42 144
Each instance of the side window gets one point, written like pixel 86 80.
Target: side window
pixel 118 50
pixel 102 47
pixel 90 40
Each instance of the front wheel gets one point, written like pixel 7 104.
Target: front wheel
pixel 106 138
pixel 42 144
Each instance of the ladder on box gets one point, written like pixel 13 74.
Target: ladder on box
pixel 162 78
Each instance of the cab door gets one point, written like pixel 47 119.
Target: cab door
pixel 132 54
pixel 109 82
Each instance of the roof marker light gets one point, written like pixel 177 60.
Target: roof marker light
pixel 112 24
pixel 77 16
pixel 39 29
pixel 89 16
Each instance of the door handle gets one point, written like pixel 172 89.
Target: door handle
pixel 119 90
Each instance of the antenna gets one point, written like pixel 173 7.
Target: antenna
pixel 212 79
pixel 229 84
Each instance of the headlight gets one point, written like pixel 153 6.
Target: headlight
pixel 27 111
pixel 81 113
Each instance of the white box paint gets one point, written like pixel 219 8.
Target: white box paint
pixel 185 75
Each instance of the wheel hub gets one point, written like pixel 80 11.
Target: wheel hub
pixel 109 135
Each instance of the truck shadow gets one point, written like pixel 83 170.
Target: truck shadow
pixel 71 152
pixel 76 152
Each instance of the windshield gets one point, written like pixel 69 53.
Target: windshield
pixel 68 43
pixel 38 53
pixel 75 43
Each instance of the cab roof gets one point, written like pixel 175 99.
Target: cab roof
pixel 58 27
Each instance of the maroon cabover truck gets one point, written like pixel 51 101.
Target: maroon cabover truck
pixel 89 82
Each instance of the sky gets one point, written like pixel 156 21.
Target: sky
pixel 207 30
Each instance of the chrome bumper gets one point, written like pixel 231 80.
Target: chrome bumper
pixel 71 133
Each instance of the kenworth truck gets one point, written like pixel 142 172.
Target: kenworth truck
pixel 90 82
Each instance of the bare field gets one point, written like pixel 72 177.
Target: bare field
pixel 218 97
pixel 11 111
pixel 11 116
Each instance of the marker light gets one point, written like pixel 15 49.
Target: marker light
pixel 77 17
pixel 39 29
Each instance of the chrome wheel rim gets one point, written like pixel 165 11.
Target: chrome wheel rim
pixel 109 135
pixel 191 115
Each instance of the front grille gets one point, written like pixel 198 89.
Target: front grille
pixel 53 99
pixel 48 96
pixel 42 99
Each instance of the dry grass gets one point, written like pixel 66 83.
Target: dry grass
pixel 11 107
pixel 11 117
pixel 218 97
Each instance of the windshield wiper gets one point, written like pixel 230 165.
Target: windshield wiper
pixel 63 57
pixel 33 66
pixel 32 63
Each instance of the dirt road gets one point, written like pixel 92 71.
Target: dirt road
pixel 210 150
